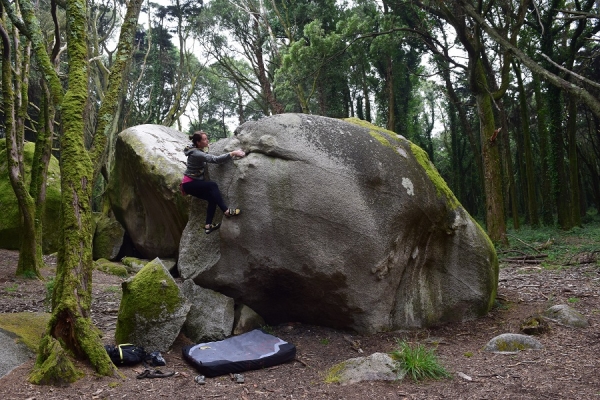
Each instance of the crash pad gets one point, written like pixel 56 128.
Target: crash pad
pixel 252 350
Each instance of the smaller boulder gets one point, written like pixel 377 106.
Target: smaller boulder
pixel 246 320
pixel 134 265
pixel 211 314
pixel 152 310
pixel 110 267
pixel 376 367
pixel 108 237
pixel 534 325
pixel 566 315
pixel 512 342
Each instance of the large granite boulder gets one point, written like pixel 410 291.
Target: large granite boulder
pixel 10 218
pixel 343 224
pixel 144 188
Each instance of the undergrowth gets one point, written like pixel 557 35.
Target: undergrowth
pixel 556 248
pixel 419 362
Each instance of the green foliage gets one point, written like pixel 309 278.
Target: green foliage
pixel 419 362
pixel 268 329
pixel 12 288
pixel 561 247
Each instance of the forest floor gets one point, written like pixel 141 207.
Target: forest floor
pixel 566 368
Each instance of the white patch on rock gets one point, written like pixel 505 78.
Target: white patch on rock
pixel 408 185
pixel 401 151
pixel 415 253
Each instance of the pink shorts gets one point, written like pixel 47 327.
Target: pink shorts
pixel 185 179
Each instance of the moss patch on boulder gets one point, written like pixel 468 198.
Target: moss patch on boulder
pixel 110 267
pixel 108 237
pixel 152 310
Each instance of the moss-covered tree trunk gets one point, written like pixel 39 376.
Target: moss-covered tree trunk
pixel 573 162
pixel 70 329
pixel 508 176
pixel 494 199
pixel 106 129
pixel 31 203
pixel 15 78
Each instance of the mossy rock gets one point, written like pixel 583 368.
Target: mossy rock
pixel 111 268
pixel 152 310
pixel 566 315
pixel 10 220
pixel 108 237
pixel 535 325
pixel 512 342
pixel 133 264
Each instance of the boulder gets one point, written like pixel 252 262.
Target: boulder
pixel 376 367
pixel 144 188
pixel 512 342
pixel 211 314
pixel 566 315
pixel 111 268
pixel 343 224
pixel 246 320
pixel 134 265
pixel 152 309
pixel 10 218
pixel 108 237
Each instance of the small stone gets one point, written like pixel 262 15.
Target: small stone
pixel 200 379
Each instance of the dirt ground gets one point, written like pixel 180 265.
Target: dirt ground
pixel 567 367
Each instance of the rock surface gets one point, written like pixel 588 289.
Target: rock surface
pixel 511 342
pixel 144 188
pixel 567 315
pixel 152 309
pixel 343 225
pixel 376 367
pixel 108 237
pixel 211 314
pixel 245 320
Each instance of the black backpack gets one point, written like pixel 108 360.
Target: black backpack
pixel 126 354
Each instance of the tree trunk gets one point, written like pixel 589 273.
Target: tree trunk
pixel 105 135
pixel 389 87
pixel 560 182
pixel 573 162
pixel 546 186
pixel 507 166
pixel 70 329
pixel 494 201
pixel 14 104
pixel 531 200
pixel 265 84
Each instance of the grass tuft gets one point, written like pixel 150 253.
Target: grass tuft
pixel 419 362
